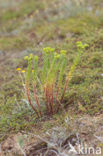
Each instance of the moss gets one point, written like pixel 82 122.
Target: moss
pixel 11 43
pixel 24 8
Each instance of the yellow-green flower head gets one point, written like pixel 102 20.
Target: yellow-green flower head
pixel 26 58
pixel 36 58
pixel 52 49
pixel 44 49
pixel 86 45
pixel 56 55
pixel 81 45
pixel 48 49
pixel 30 57
pixel 63 52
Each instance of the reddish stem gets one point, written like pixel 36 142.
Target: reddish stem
pixel 46 96
pixel 51 98
pixel 56 98
pixel 59 105
pixel 29 100
pixel 65 87
pixel 37 101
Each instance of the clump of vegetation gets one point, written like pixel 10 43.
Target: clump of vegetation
pixel 49 80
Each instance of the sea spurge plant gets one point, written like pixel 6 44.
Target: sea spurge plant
pixel 48 82
pixel 80 49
